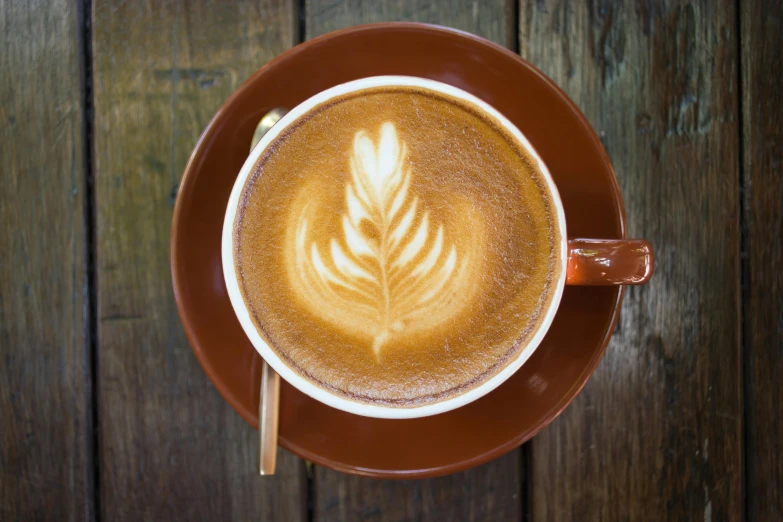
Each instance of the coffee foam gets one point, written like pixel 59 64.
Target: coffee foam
pixel 396 246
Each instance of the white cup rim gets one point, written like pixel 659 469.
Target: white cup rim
pixel 289 374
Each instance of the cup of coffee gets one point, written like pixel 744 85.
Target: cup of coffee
pixel 394 247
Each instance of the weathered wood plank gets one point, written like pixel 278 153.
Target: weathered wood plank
pixel 45 384
pixel 492 491
pixel 761 30
pixel 486 18
pixel 488 493
pixel 656 433
pixel 171 448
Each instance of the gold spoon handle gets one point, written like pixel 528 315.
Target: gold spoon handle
pixel 269 398
pixel 269 119
pixel 268 413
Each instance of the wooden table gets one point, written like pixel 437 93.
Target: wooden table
pixel 106 415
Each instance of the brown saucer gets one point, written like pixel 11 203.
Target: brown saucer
pixel 484 429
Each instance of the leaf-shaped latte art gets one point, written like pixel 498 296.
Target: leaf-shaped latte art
pixel 392 269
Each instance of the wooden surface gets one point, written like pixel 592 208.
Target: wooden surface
pixel 762 219
pixel 656 433
pixel 681 420
pixel 492 19
pixel 170 447
pixel 46 444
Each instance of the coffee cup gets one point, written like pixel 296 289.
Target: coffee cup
pixel 311 249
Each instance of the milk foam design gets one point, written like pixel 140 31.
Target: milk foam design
pixel 392 271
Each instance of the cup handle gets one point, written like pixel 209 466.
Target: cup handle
pixel 604 262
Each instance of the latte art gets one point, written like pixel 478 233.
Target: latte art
pixel 395 246
pixel 391 271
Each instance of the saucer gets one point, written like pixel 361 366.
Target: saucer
pixel 479 431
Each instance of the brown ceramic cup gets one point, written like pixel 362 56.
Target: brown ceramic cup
pixel 583 261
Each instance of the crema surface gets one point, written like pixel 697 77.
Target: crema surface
pixel 396 246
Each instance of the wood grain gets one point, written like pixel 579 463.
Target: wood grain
pixel 488 18
pixel 762 122
pixel 656 433
pixel 170 447
pixel 492 491
pixel 45 384
pixel 488 493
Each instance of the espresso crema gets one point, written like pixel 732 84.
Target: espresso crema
pixel 396 246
